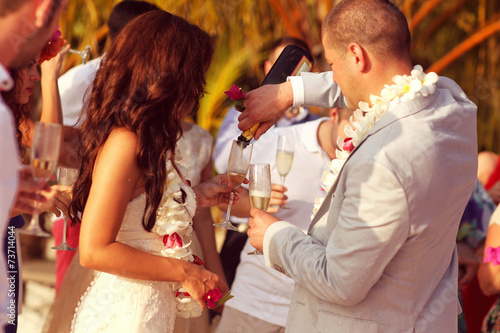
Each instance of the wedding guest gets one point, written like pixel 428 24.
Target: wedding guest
pixel 137 207
pixel 489 271
pixel 262 295
pixel 228 131
pixel 380 253
pixel 470 242
pixel 475 303
pixel 18 189
pixel 74 83
pixel 18 101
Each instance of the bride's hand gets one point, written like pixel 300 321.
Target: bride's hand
pixel 199 282
pixel 215 191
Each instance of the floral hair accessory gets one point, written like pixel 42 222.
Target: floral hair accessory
pixel 492 255
pixel 236 94
pixel 215 299
pixel 53 46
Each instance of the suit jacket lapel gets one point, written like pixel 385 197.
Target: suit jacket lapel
pixel 402 110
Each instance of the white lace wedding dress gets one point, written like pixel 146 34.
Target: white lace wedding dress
pixel 116 304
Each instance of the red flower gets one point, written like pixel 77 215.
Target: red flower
pixel 179 293
pixel 212 297
pixel 235 93
pixel 51 49
pixel 171 240
pixel 348 145
pixel 198 261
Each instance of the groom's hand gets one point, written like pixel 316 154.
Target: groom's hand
pixel 258 223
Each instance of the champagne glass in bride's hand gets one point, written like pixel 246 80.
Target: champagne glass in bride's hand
pixel 284 158
pixel 44 156
pixel 260 189
pixel 66 177
pixel 237 168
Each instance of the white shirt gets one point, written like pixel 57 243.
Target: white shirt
pixel 72 87
pixel 9 180
pixel 259 290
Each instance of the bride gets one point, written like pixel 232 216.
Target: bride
pixel 137 208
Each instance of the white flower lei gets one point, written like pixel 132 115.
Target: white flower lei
pixel 405 87
pixel 174 221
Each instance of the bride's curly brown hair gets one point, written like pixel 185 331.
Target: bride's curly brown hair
pixel 152 76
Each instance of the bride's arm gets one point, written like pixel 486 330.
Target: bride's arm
pixel 115 179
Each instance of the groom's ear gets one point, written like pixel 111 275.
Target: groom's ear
pixel 358 57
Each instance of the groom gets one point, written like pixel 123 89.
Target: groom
pixel 380 253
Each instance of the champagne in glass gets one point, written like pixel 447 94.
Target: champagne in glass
pixel 284 158
pixel 44 155
pixel 237 168
pixel 67 177
pixel 260 189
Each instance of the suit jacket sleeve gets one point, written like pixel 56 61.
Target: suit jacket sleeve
pixel 342 267
pixel 317 89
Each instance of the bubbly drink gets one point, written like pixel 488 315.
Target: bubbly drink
pixel 42 169
pixel 284 161
pixel 260 199
pixel 236 178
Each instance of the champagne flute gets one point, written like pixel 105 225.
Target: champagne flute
pixel 284 158
pixel 67 177
pixel 44 156
pixel 84 54
pixel 260 189
pixel 237 168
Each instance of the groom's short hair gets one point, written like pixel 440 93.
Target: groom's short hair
pixel 376 25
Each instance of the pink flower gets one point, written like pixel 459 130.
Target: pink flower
pixel 212 297
pixel 492 255
pixel 235 93
pixel 198 261
pixel 348 145
pixel 171 240
pixel 56 35
pixel 177 294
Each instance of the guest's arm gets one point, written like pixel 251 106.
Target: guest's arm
pixel 203 225
pixel 489 274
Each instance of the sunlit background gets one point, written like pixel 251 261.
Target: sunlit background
pixel 455 38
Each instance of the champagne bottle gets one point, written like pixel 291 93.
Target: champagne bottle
pixel 292 61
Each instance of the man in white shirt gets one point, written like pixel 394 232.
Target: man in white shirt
pixel 74 83
pixel 380 254
pixel 27 26
pixel 261 295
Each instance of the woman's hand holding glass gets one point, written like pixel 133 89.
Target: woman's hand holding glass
pixel 237 168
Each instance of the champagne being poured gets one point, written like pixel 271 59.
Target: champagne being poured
pixel 292 61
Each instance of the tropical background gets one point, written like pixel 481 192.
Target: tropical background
pixel 455 38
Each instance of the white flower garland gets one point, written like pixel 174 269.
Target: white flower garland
pixel 406 87
pixel 174 223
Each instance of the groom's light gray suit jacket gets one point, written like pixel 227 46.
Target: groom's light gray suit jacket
pixel 380 254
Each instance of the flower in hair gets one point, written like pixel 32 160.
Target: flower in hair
pixel 53 47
